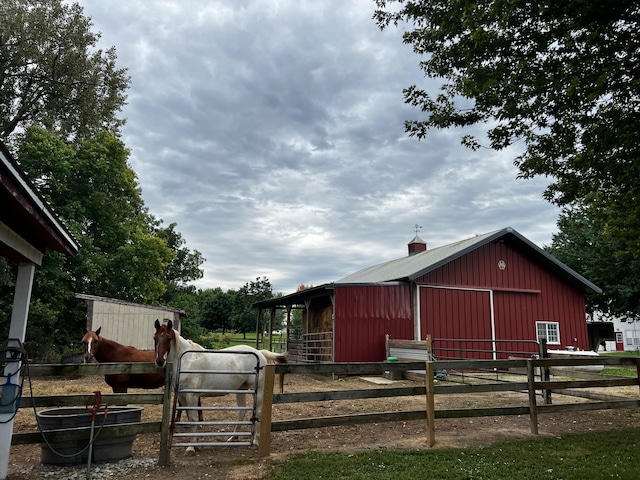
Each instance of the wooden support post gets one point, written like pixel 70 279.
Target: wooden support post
pixel 544 372
pixel 165 429
pixel 638 371
pixel 431 415
pixel 533 407
pixel 264 445
pixel 429 346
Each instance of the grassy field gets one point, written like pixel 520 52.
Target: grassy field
pixel 218 340
pixel 613 454
pixel 620 371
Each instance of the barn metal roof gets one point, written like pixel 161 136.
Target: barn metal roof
pixel 414 266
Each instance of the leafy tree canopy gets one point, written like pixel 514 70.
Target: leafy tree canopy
pixel 52 74
pixel 563 77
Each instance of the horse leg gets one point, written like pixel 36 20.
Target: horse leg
pixel 200 416
pixel 191 400
pixel 259 393
pixel 241 402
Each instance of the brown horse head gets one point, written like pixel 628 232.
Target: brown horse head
pixel 91 343
pixel 163 338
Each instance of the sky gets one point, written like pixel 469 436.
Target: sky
pixel 272 133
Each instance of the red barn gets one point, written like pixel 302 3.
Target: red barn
pixel 494 291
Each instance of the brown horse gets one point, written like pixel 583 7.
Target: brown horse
pixel 104 350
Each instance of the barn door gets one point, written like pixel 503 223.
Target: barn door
pixel 459 321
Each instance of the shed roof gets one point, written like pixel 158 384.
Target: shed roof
pixel 96 298
pixel 26 215
pixel 414 266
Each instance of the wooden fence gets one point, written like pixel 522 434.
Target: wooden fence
pixel 429 389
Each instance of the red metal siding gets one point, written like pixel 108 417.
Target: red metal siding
pixel 524 293
pixel 364 315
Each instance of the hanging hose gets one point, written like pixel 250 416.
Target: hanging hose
pixel 97 404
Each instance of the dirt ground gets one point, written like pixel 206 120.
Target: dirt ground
pixel 243 462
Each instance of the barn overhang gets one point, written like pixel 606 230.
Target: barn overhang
pixel 28 226
pixel 320 293
pixel 317 297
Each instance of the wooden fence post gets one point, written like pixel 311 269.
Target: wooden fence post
pixel 167 409
pixel 533 407
pixel 264 445
pixel 431 415
pixel 544 372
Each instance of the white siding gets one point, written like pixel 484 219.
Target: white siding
pixel 128 323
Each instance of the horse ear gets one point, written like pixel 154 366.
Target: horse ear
pixel 157 324
pixel 98 330
pixel 170 325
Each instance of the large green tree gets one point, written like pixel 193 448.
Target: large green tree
pixel 215 308
pixel 124 251
pixel 585 244
pixel 561 77
pixel 52 74
pixel 96 193
pixel 244 315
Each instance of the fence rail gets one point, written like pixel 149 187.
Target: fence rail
pixel 267 425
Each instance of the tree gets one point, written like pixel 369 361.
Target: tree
pixel 560 76
pixel 95 192
pixel 586 246
pixel 52 75
pixel 124 254
pixel 244 315
pixel 185 265
pixel 215 308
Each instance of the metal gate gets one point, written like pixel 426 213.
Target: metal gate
pixel 224 430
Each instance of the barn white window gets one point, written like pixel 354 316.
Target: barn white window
pixel 549 331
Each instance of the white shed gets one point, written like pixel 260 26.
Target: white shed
pixel 125 322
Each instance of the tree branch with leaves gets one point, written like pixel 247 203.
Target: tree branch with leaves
pixel 563 77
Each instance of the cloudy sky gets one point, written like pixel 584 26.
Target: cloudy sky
pixel 271 132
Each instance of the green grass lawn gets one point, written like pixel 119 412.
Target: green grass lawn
pixel 620 354
pixel 621 371
pixel 596 455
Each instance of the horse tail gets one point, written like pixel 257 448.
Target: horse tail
pixel 273 358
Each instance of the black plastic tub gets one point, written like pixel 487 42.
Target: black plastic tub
pixel 75 451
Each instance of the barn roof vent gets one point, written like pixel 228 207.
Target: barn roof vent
pixel 417 245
